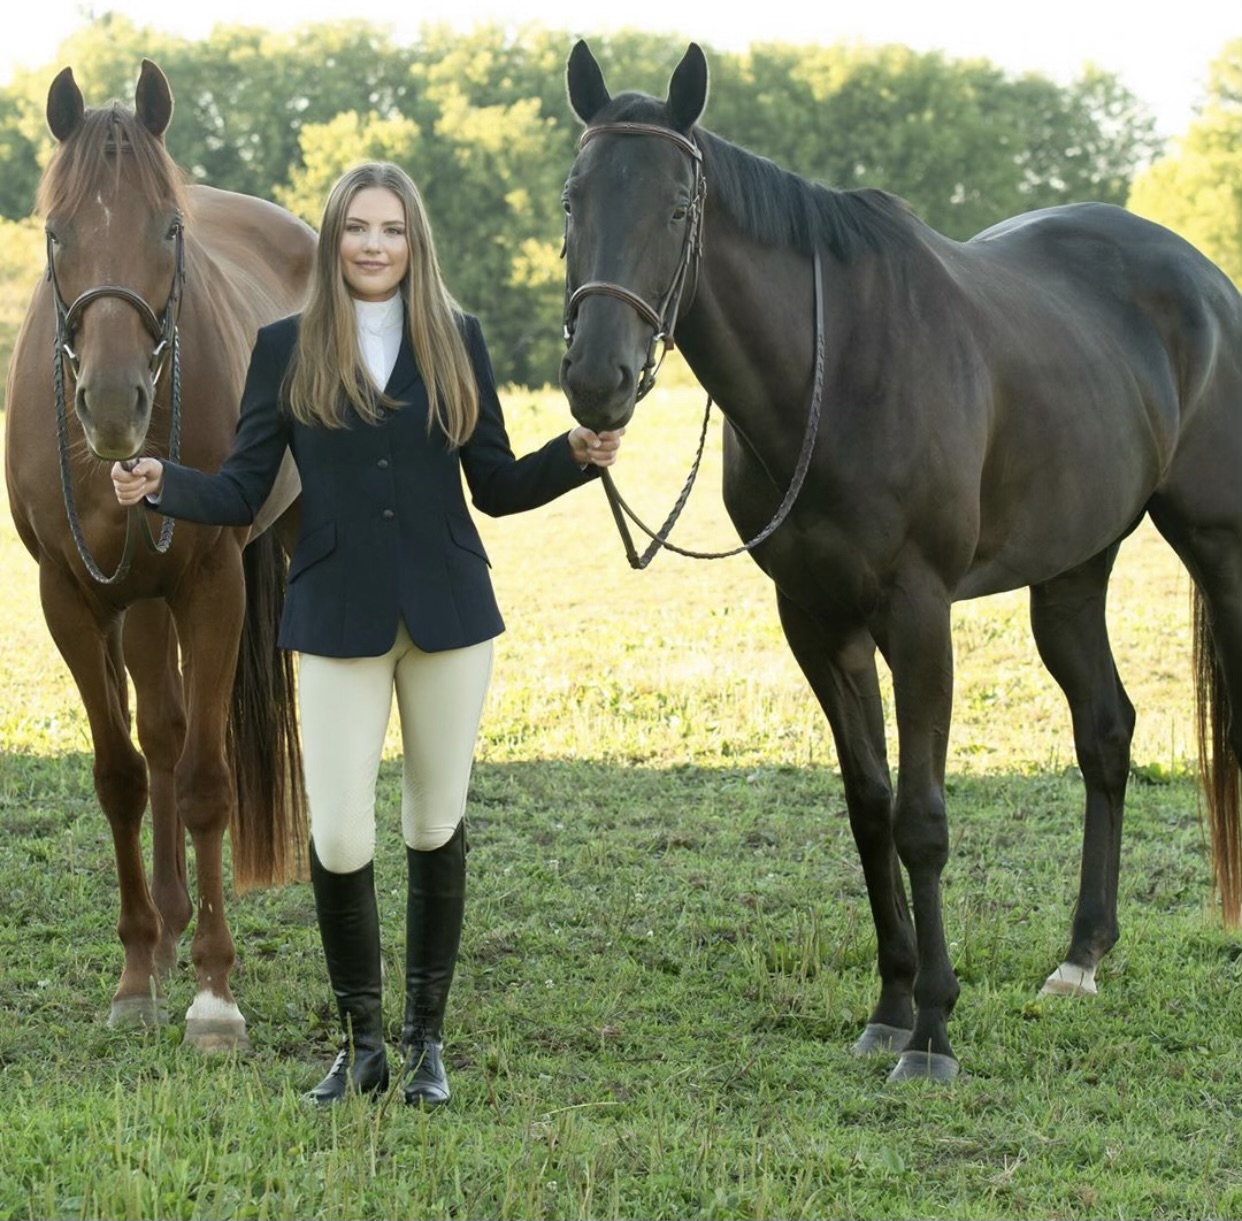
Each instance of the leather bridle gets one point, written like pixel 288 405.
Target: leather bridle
pixel 166 353
pixel 663 320
pixel 662 317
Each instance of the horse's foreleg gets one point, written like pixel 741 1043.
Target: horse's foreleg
pixel 916 639
pixel 150 645
pixel 840 666
pixel 86 636
pixel 1071 631
pixel 208 616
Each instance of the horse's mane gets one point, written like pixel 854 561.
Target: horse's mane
pixel 89 158
pixel 780 208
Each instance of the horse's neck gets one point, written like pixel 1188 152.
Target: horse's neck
pixel 749 335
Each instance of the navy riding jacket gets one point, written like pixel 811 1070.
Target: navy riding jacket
pixel 385 532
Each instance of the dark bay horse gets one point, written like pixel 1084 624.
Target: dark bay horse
pixel 153 294
pixel 964 418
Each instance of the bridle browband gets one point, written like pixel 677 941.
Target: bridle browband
pixel 661 318
pixel 167 352
pixel 663 321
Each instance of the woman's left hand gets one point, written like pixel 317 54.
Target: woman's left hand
pixel 595 448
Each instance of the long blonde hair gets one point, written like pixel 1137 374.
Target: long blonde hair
pixel 327 364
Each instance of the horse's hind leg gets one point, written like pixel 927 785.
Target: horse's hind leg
pixel 840 666
pixel 1214 558
pixel 1071 632
pixel 87 637
pixel 150 646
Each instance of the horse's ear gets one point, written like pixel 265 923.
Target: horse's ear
pixel 588 94
pixel 153 101
pixel 65 107
pixel 687 89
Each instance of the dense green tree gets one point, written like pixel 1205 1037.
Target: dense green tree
pixel 483 124
pixel 1197 190
pixel 241 95
pixel 485 169
pixel 965 144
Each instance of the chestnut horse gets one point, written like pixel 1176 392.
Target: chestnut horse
pixel 153 294
pixel 911 421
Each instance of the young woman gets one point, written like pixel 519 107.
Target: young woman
pixel 383 392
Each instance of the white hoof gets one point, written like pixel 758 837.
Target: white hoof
pixel 212 1024
pixel 1070 980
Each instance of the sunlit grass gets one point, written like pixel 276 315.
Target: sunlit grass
pixel 668 949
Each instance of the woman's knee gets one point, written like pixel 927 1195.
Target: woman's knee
pixel 427 838
pixel 340 852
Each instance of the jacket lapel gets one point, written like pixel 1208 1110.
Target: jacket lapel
pixel 405 374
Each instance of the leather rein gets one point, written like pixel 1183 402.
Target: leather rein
pixel 166 353
pixel 663 322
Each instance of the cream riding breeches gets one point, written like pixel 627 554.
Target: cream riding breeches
pixel 345 705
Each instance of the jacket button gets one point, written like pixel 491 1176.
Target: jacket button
pixel 388 515
pixel 382 464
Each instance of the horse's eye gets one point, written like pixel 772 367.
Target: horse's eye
pixel 565 205
pixel 52 237
pixel 174 228
pixel 680 212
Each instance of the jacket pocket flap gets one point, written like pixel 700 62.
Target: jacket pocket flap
pixel 467 538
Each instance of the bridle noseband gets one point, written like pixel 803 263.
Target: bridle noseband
pixel 662 318
pixel 163 330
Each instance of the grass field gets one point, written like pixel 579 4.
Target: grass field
pixel 668 950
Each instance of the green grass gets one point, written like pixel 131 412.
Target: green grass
pixel 668 950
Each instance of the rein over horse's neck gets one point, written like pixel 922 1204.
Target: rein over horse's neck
pixel 749 336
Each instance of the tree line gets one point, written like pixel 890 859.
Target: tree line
pixel 481 122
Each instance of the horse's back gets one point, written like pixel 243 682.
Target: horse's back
pixel 260 249
pixel 1176 316
pixel 1114 262
pixel 1109 349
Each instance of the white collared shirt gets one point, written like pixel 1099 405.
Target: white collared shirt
pixel 379 335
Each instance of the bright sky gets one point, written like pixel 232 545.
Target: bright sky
pixel 1161 53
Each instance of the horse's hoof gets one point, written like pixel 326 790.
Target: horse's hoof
pixel 878 1039
pixel 216 1034
pixel 130 1011
pixel 1070 980
pixel 924 1066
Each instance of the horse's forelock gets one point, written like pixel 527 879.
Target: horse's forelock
pixel 91 160
pixel 634 108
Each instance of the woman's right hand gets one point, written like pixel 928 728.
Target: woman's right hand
pixel 144 478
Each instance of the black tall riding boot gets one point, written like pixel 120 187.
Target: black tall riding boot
pixel 349 925
pixel 435 906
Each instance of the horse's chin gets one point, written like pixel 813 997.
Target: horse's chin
pixel 606 425
pixel 114 448
pixel 601 417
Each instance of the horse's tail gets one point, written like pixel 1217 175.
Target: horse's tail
pixel 269 829
pixel 1219 773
